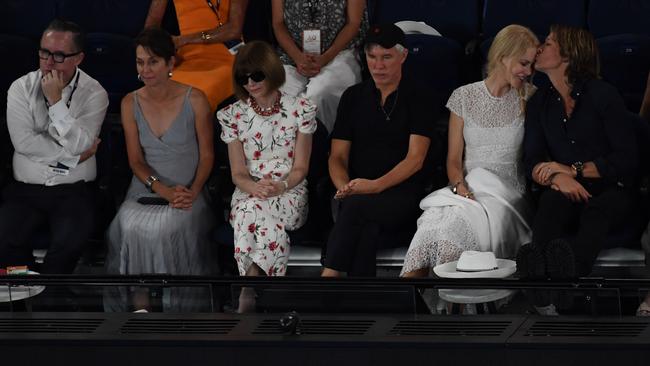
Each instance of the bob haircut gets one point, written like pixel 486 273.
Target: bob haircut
pixel 158 42
pixel 257 56
pixel 579 47
pixel 511 41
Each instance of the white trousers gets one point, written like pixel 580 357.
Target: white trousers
pixel 325 89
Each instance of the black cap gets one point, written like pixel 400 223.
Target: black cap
pixel 385 35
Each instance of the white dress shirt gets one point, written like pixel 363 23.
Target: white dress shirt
pixel 46 137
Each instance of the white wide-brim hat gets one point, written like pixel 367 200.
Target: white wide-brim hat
pixel 506 267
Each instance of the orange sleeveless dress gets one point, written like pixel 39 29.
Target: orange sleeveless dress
pixel 204 66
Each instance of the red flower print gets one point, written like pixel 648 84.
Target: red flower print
pixel 251 228
pixel 263 233
pixel 302 102
pixel 262 166
pixel 233 126
pixel 290 154
pixel 249 249
pixel 258 135
pixel 305 123
pixel 295 113
pixel 283 128
pixel 237 115
pixel 237 250
pixel 277 174
pixel 271 271
pixel 257 154
pixel 258 206
pixel 273 246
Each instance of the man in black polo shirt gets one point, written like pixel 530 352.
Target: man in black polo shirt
pixel 379 143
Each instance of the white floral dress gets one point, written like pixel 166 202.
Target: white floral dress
pixel 269 143
pixel 493 132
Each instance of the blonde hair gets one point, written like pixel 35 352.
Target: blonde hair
pixel 511 41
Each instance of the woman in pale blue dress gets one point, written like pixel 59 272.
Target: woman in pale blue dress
pixel 168 133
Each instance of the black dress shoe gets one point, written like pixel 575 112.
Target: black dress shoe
pixel 531 262
pixel 560 260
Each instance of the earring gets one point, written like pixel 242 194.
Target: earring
pixel 170 74
pixel 139 77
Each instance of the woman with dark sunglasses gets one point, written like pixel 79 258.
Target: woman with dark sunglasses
pixel 269 143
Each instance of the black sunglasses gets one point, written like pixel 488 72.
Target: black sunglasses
pixel 59 57
pixel 256 76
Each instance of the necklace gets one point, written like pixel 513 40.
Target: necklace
pixel 275 108
pixel 391 108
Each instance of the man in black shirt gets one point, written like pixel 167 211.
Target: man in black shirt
pixel 379 143
pixel 580 146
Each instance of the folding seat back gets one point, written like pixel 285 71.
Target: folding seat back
pixel 625 62
pixel 106 16
pixel 623 35
pixel 433 60
pixel 538 15
pixel 607 17
pixel 19 57
pixel 26 18
pixel 110 59
pixel 455 19
pixel 110 26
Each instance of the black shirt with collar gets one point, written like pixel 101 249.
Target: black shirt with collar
pixel 597 131
pixel 380 136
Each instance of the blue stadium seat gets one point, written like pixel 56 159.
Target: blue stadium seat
pixel 537 15
pixel 106 16
pixel 26 18
pixel 623 35
pixel 110 26
pixel 607 17
pixel 625 62
pixel 19 57
pixel 456 19
pixel 435 61
pixel 110 59
pixel 21 25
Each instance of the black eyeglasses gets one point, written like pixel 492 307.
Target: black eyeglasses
pixel 59 57
pixel 256 76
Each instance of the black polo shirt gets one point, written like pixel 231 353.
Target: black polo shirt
pixel 379 142
pixel 597 131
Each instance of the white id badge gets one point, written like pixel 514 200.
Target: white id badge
pixel 234 46
pixel 58 170
pixel 311 41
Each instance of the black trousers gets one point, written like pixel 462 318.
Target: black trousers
pixel 584 225
pixel 66 210
pixel 366 223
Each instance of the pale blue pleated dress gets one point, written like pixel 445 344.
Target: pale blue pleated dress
pixel 144 239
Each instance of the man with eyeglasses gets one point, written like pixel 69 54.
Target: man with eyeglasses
pixel 54 116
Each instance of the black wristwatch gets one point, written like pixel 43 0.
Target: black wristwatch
pixel 578 166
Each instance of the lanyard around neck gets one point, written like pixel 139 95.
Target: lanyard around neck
pixel 74 88
pixel 215 10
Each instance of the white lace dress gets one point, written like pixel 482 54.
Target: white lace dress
pixel 493 132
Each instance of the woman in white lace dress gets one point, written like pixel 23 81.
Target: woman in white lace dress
pixel 485 208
